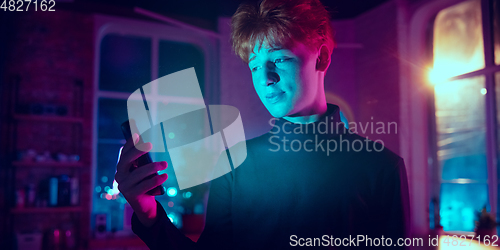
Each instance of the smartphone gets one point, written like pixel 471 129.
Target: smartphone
pixel 143 159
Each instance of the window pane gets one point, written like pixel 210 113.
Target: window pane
pixel 459 203
pixel 111 205
pixel 458 40
pixel 461 130
pixel 125 63
pixel 175 56
pixel 111 114
pixel 496 29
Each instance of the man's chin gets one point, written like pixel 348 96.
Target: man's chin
pixel 278 111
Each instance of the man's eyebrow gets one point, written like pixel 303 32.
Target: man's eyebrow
pixel 273 49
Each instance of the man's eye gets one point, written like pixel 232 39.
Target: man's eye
pixel 280 60
pixel 255 69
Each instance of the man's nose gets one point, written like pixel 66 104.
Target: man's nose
pixel 271 77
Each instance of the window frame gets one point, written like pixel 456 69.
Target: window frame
pixel 206 42
pixel 415 115
pixel 490 113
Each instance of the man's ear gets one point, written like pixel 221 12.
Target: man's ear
pixel 323 60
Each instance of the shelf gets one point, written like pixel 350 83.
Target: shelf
pixel 114 242
pixel 30 210
pixel 48 118
pixel 130 241
pixel 54 164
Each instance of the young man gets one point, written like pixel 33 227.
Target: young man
pixel 284 195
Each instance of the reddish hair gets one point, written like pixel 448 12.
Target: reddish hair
pixel 281 22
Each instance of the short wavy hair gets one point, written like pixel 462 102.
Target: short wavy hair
pixel 281 22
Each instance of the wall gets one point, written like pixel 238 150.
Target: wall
pixel 377 73
pixel 4 135
pixel 49 52
pixel 340 79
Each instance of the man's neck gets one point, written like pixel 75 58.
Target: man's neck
pixel 312 115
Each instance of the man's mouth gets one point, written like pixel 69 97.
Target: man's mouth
pixel 274 97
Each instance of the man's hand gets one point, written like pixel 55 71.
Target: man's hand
pixel 133 182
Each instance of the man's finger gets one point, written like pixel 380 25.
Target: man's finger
pixel 149 184
pixel 132 154
pixel 138 150
pixel 137 145
pixel 130 142
pixel 142 172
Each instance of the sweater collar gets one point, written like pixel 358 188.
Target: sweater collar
pixel 329 123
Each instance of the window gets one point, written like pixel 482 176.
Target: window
pixel 129 57
pixel 465 61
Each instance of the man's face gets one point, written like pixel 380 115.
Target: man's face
pixel 285 79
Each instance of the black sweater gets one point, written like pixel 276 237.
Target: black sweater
pixel 282 195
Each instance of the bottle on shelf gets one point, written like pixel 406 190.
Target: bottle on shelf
pixel 53 192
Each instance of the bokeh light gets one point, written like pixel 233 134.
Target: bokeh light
pixel 172 191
